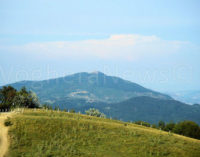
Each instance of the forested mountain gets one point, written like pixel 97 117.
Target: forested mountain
pixel 142 108
pixel 92 87
pixel 115 97
pixel 152 110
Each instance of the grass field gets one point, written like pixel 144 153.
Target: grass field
pixel 44 133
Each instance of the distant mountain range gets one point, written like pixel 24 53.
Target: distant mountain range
pixel 152 110
pixel 190 97
pixel 117 98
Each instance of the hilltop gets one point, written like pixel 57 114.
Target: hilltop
pixel 92 87
pixel 55 133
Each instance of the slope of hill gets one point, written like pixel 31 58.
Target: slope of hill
pixel 152 110
pixel 53 133
pixel 89 86
pixel 143 108
pixel 190 97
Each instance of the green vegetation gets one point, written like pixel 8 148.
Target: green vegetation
pixel 143 123
pixel 161 125
pixel 113 96
pixel 11 98
pixel 90 86
pixel 51 133
pixel 95 112
pixel 185 128
pixel 153 110
pixel 8 122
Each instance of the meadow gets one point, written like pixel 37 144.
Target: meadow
pixel 48 133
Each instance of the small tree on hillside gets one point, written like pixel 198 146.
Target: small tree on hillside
pixel 72 111
pixel 161 125
pixel 169 126
pixel 7 95
pixel 95 112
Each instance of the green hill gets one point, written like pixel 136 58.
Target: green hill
pixel 152 110
pixel 143 108
pixel 60 134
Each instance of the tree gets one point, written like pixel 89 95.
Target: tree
pixel 95 112
pixel 7 95
pixel 23 91
pixel 169 126
pixel 10 98
pixel 143 123
pixel 56 108
pixel 26 98
pixel 46 106
pixel 187 128
pixel 1 97
pixel 34 100
pixel 154 126
pixel 72 111
pixel 161 125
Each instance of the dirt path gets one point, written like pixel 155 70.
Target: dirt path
pixel 4 143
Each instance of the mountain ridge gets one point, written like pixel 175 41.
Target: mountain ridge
pixel 96 86
pixel 117 98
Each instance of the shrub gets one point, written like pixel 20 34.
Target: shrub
pixel 169 126
pixel 95 112
pixel 161 125
pixel 143 123
pixel 8 122
pixel 72 111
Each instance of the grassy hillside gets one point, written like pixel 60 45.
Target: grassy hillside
pixel 60 134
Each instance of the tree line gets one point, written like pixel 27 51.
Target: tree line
pixel 11 98
pixel 185 128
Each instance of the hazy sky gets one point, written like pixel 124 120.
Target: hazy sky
pixel 155 43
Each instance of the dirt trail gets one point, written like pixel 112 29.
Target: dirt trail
pixel 4 143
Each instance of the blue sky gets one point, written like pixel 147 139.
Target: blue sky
pixel 154 43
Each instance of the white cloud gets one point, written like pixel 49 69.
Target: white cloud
pixel 127 47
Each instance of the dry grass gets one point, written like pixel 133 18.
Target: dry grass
pixel 60 134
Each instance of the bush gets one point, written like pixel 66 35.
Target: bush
pixel 154 126
pixel 169 126
pixel 8 122
pixel 161 125
pixel 143 123
pixel 95 112
pixel 72 111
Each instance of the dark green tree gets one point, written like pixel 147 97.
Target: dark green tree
pixel 7 95
pixel 169 126
pixel 143 123
pixel 187 128
pixel 10 98
pixel 72 111
pixel 161 125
